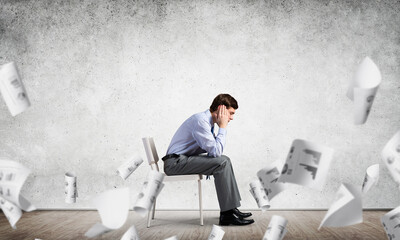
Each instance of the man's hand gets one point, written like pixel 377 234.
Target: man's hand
pixel 222 116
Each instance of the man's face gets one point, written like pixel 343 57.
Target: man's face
pixel 231 112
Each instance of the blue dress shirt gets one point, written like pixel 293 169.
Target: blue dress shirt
pixel 194 137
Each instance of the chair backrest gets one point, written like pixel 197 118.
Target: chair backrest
pixel 151 152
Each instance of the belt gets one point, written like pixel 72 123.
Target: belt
pixel 170 156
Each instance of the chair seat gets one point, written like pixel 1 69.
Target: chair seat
pixel 182 177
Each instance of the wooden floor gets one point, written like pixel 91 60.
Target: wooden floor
pixel 50 225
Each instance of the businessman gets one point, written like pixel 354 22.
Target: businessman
pixel 196 136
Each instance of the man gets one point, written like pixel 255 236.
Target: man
pixel 195 136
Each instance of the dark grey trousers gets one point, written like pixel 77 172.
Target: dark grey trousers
pixel 219 167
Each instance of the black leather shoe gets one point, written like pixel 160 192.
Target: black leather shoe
pixel 234 219
pixel 241 214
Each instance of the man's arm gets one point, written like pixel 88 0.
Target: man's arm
pixel 203 136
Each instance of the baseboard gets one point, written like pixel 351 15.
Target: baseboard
pixel 242 209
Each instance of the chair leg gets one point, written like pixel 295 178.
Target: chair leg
pixel 200 202
pixel 153 208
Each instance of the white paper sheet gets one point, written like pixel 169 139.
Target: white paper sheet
pixel 12 89
pixel 12 212
pixel 391 157
pixel 346 209
pixel 260 195
pixel 363 88
pixel 126 169
pixel 71 190
pixel 172 238
pixel 131 234
pixel 150 190
pixel 276 228
pixel 12 178
pixel 269 176
pixel 307 164
pixel 113 207
pixel 217 233
pixel 371 177
pixel 391 223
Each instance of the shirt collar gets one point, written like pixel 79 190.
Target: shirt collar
pixel 208 114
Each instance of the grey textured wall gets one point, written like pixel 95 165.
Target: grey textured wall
pixel 103 74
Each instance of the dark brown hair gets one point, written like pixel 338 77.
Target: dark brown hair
pixel 224 99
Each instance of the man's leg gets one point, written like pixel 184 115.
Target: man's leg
pixel 220 167
pixel 226 186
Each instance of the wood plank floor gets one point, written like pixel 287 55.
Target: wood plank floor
pixel 50 225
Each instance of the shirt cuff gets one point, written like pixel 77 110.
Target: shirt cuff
pixel 222 131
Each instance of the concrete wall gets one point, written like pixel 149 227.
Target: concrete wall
pixel 103 74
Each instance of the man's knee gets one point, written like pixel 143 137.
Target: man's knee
pixel 223 161
pixel 226 159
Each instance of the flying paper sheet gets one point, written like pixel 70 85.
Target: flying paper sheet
pixel 131 234
pixel 71 191
pixel 268 177
pixel 113 207
pixel 371 177
pixel 12 89
pixel 172 238
pixel 150 190
pixel 217 233
pixel 12 178
pixel 391 223
pixel 362 90
pixel 307 164
pixel 259 194
pixel 276 228
pixel 12 212
pixel 126 169
pixel 346 209
pixel 391 157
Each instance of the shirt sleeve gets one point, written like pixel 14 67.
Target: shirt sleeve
pixel 203 136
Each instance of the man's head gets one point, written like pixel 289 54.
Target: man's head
pixel 228 101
